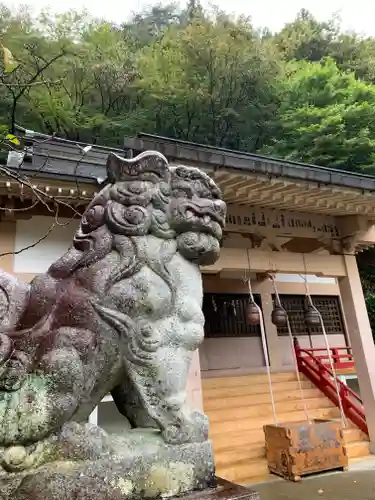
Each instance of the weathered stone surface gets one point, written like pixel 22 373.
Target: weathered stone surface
pixel 120 312
pixel 138 465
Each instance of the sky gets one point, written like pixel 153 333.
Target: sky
pixel 357 15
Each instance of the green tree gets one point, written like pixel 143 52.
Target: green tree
pixel 306 38
pixel 27 57
pixel 354 53
pixel 326 117
pixel 211 82
pixel 91 95
pixel 70 75
pixel 151 23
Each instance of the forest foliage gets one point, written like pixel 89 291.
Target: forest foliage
pixel 306 93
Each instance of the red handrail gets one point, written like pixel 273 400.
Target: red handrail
pixel 341 360
pixel 318 372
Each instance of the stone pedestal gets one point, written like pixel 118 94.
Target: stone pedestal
pixel 139 465
pixel 142 468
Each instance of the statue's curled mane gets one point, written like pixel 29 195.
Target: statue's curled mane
pixel 147 197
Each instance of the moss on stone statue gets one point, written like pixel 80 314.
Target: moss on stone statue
pixel 26 412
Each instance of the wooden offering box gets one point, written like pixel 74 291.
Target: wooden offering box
pixel 298 448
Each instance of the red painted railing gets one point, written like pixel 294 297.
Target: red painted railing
pixel 342 357
pixel 316 369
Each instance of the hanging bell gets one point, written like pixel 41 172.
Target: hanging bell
pixel 279 316
pixel 252 314
pixel 312 318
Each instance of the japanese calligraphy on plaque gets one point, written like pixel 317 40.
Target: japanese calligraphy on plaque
pixel 250 219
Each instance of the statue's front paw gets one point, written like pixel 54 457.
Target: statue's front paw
pixel 174 434
pixel 191 429
pixel 199 426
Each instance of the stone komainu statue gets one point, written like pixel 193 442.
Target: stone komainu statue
pixel 119 313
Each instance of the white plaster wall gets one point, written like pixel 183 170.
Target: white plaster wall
pixel 110 419
pixel 231 353
pixel 247 353
pixel 310 278
pixel 38 259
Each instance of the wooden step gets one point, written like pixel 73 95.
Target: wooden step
pixel 265 409
pixel 244 471
pixel 237 439
pixel 241 401
pixel 234 439
pixel 238 467
pixel 353 435
pixel 254 480
pixel 225 458
pixel 358 449
pixel 227 427
pixel 228 457
pixel 238 407
pixel 250 389
pixel 261 378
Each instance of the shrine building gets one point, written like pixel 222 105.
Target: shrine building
pixel 302 224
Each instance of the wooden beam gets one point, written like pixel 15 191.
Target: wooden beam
pixel 235 259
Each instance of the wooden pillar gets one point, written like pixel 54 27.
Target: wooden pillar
pixel 361 339
pixel 194 384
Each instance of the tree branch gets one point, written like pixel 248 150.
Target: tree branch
pixel 26 85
